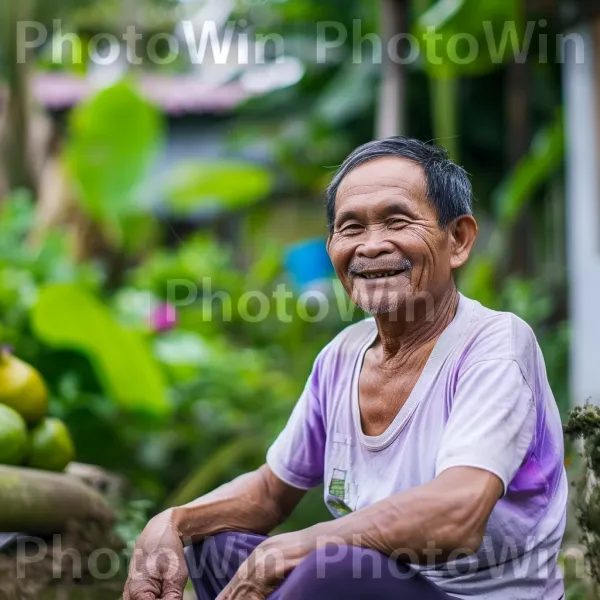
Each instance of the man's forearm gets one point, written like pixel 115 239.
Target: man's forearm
pixel 248 503
pixel 440 517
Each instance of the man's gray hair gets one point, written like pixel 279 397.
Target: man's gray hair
pixel 448 186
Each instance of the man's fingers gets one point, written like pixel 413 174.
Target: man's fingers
pixel 141 589
pixel 148 588
pixel 239 589
pixel 230 589
pixel 145 595
pixel 240 576
pixel 173 589
pixel 173 595
pixel 160 575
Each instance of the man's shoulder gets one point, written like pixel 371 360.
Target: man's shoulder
pixel 495 334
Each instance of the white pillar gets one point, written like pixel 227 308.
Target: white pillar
pixel 583 217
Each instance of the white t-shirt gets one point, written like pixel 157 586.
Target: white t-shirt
pixel 482 400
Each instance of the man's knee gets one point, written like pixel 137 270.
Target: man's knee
pixel 222 553
pixel 347 571
pixel 212 553
pixel 330 565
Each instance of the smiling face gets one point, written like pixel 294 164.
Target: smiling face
pixel 387 246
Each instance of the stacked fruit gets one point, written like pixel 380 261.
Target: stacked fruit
pixel 27 435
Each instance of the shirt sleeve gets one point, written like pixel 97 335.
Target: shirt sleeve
pixel 492 420
pixel 297 455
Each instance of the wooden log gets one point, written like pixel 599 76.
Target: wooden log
pixel 43 502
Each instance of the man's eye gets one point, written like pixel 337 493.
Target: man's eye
pixel 396 222
pixel 351 227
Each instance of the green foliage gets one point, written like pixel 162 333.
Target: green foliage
pixel 25 266
pixel 512 197
pixel 133 518
pixel 66 316
pixel 533 171
pixel 349 92
pixel 453 37
pixel 225 379
pixel 584 423
pixel 454 20
pixel 114 138
pixel 206 478
pixel 230 185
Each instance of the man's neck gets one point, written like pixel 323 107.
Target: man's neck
pixel 405 331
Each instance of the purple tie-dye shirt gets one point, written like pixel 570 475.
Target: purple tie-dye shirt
pixel 482 400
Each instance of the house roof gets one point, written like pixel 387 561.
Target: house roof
pixel 174 94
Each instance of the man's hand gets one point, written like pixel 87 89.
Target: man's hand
pixel 158 568
pixel 264 570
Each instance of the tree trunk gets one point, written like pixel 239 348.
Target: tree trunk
pixel 391 109
pixel 15 127
pixel 518 117
pixel 43 502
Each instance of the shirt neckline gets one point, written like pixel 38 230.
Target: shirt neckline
pixel 447 340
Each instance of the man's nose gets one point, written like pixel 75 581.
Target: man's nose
pixel 374 245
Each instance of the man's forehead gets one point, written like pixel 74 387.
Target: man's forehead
pixel 393 173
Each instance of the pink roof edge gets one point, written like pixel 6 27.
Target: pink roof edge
pixel 174 94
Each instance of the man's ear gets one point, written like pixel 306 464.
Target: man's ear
pixel 463 232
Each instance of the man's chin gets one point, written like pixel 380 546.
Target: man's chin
pixel 378 306
pixel 383 299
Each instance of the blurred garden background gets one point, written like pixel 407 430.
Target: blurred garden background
pixel 142 191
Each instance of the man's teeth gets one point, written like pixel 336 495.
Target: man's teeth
pixel 379 274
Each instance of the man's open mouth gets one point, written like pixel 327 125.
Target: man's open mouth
pixel 378 274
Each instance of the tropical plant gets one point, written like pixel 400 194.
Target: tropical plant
pixel 584 424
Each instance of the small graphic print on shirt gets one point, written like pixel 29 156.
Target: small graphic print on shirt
pixel 342 493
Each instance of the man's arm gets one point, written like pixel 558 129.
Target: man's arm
pixel 433 520
pixel 256 502
pixel 447 514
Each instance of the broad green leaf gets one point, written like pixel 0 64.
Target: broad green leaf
pixel 544 158
pixel 66 316
pixel 220 185
pixel 114 137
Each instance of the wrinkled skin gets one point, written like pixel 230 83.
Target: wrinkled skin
pixel 157 568
pixel 266 567
pixel 384 222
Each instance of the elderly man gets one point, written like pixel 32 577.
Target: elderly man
pixel 431 425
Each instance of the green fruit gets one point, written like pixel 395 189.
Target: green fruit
pixel 50 446
pixel 22 388
pixel 13 436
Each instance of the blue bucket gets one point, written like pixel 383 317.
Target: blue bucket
pixel 308 261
